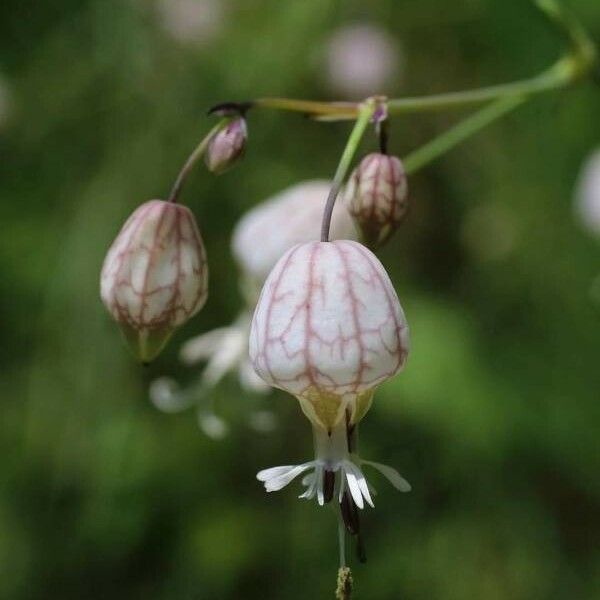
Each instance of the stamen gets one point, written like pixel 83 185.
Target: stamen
pixel 328 485
pixel 349 514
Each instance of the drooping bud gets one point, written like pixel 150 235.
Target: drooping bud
pixel 377 195
pixel 155 275
pixel 290 217
pixel 227 146
pixel 329 328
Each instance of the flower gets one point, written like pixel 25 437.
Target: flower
pixel 362 60
pixel 265 232
pixel 154 277
pixel 192 21
pixel 377 195
pixel 225 349
pixel 587 196
pixel 227 146
pixel 328 329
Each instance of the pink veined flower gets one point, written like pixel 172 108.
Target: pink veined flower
pixel 377 196
pixel 155 277
pixel 227 146
pixel 329 328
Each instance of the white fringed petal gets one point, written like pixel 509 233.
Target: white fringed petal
pixel 391 475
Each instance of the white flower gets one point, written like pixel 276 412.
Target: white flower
pixel 587 196
pixel 329 328
pixel 225 349
pixel 332 457
pixel 362 60
pixel 155 277
pixel 290 217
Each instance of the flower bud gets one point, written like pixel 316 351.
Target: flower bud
pixel 329 328
pixel 227 146
pixel 376 196
pixel 155 276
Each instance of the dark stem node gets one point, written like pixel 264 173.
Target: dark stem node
pixel 230 109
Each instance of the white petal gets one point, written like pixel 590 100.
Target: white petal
pixel 167 396
pixel 202 346
pixel 278 477
pixel 226 357
pixel 354 489
pixel 319 485
pixel 267 474
pixel 310 491
pixel 391 475
pixel 361 480
pixel 342 488
pixel 308 479
pixel 213 426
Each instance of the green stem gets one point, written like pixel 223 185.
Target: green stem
pixel 193 159
pixel 333 110
pixel 365 113
pixel 426 154
pixel 577 63
pixel 527 87
pixel 341 536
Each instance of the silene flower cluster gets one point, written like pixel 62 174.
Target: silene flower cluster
pixel 320 319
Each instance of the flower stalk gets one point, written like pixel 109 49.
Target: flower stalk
pixel 365 115
pixel 193 158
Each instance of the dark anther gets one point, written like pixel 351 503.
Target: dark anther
pixel 350 439
pixel 349 514
pixel 351 520
pixel 230 109
pixel 328 485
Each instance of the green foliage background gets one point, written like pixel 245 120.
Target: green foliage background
pixel 495 421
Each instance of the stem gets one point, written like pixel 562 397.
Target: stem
pixel 193 159
pixel 364 116
pixel 341 536
pixel 335 110
pixel 527 87
pixel 426 154
pixel 577 63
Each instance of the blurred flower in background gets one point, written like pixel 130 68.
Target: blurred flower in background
pixel 224 349
pixel 362 60
pixel 192 21
pixel 259 240
pixel 267 231
pixel 587 194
